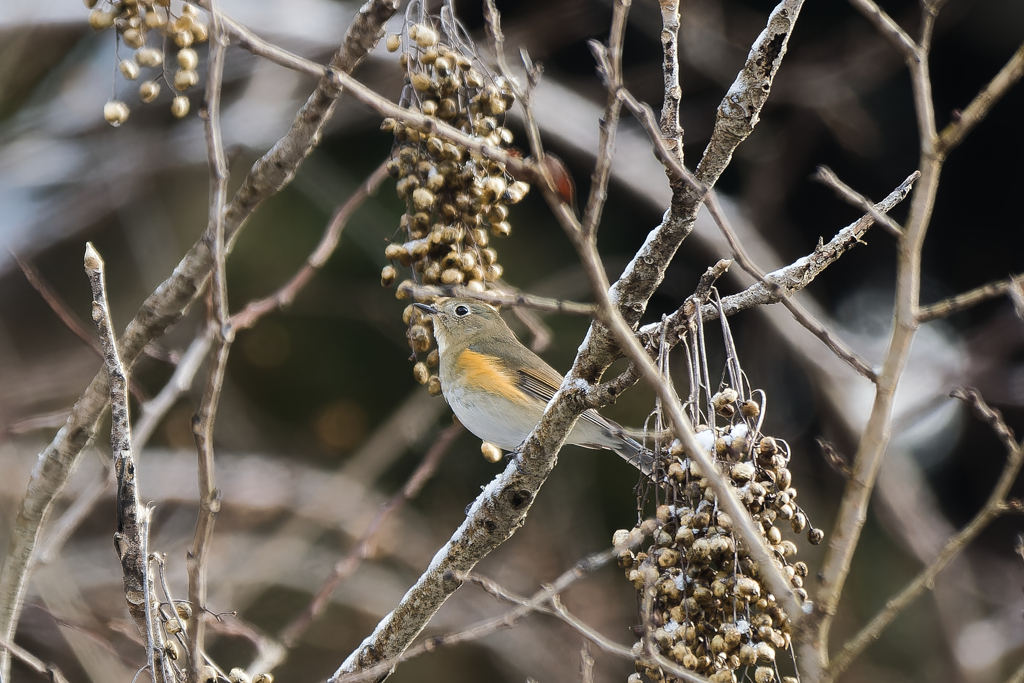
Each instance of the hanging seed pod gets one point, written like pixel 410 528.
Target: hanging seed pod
pixel 129 69
pixel 188 59
pixel 150 57
pixel 115 112
pixel 149 91
pixel 185 79
pixel 180 106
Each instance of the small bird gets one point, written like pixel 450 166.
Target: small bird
pixel 498 388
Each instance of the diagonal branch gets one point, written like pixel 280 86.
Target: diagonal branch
pixel 888 27
pixel 609 60
pixel 802 315
pixel 953 134
pixel 826 176
pixel 791 278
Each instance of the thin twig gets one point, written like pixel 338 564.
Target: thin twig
pixel 990 416
pixel 995 506
pixel 261 48
pixel 57 304
pixel 609 61
pixel 889 29
pixel 283 297
pixel 826 176
pixel 131 540
pixel 875 437
pixel 791 278
pixel 203 424
pixel 954 133
pixel 537 303
pixel 348 565
pixel 66 315
pixel 961 302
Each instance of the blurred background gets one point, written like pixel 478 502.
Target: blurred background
pixel 321 421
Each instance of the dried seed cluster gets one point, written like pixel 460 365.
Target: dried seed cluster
pixel 135 21
pixel 709 610
pixel 456 199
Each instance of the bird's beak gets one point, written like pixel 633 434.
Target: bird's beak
pixel 426 308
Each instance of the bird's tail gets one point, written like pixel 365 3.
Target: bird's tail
pixel 633 452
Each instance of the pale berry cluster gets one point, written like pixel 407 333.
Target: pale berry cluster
pixel 147 27
pixel 456 199
pixel 710 611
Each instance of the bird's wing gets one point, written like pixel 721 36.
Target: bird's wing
pixel 542 382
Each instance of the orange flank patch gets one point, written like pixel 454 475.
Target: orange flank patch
pixel 486 373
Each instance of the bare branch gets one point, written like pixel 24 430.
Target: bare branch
pixel 132 538
pixel 671 132
pixel 609 61
pixel 961 302
pixel 737 115
pixel 875 437
pixel 889 29
pixel 994 419
pixel 261 48
pixel 791 278
pixel 345 567
pixel 524 606
pixel 58 305
pixel 537 303
pixel 203 423
pixel 827 177
pixel 953 134
pixel 33 662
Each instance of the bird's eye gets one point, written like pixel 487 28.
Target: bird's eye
pixel 461 310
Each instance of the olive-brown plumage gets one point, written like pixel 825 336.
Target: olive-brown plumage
pixel 498 388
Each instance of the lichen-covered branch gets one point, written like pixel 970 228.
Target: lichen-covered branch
pixel 791 278
pixel 131 541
